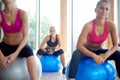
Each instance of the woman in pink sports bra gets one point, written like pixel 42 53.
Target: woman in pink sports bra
pixel 14 23
pixel 90 41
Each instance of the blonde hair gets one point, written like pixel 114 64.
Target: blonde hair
pixel 52 27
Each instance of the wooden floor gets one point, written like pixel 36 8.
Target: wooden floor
pixel 53 76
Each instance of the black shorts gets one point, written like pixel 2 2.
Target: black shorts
pixel 8 49
pixel 55 53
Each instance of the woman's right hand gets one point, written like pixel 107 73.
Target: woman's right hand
pixel 98 59
pixel 4 62
pixel 44 49
pixel 50 50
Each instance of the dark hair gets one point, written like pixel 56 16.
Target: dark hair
pixel 101 1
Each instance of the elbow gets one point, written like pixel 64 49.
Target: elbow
pixel 25 37
pixel 115 46
pixel 60 46
pixel 78 47
pixel 41 47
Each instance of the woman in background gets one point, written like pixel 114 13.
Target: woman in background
pixel 53 42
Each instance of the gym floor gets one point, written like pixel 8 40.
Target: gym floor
pixel 56 76
pixel 53 76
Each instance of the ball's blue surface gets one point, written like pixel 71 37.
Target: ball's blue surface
pixel 50 63
pixel 89 70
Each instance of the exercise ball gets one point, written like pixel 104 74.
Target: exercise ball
pixel 18 70
pixel 89 70
pixel 50 63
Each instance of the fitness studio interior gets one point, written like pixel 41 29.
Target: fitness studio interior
pixel 68 18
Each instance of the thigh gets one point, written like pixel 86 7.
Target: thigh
pixel 59 52
pixel 100 51
pixel 26 51
pixel 74 63
pixel 7 49
pixel 77 56
pixel 115 56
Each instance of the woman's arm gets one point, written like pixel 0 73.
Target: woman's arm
pixel 114 39
pixel 0 27
pixel 81 44
pixel 0 34
pixel 82 39
pixel 59 42
pixel 42 46
pixel 1 55
pixel 24 20
pixel 3 59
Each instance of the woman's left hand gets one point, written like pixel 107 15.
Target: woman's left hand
pixel 103 56
pixel 12 57
pixel 50 50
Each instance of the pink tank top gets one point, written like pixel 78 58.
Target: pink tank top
pixel 93 38
pixel 13 28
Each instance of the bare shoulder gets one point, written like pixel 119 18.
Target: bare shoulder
pixel 47 37
pixel 111 25
pixel 23 13
pixel 88 26
pixel 58 35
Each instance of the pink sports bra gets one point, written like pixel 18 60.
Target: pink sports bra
pixel 93 38
pixel 13 28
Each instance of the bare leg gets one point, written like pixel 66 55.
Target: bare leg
pixel 62 58
pixel 31 64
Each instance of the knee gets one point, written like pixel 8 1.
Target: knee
pixel 76 53
pixel 75 56
pixel 40 52
pixel 117 52
pixel 61 51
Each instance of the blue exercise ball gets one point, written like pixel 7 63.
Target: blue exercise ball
pixel 18 70
pixel 50 63
pixel 111 71
pixel 89 70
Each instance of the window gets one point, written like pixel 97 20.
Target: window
pixel 117 16
pixel 49 15
pixel 80 16
pixel 31 12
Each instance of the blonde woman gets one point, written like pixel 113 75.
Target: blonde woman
pixel 53 42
